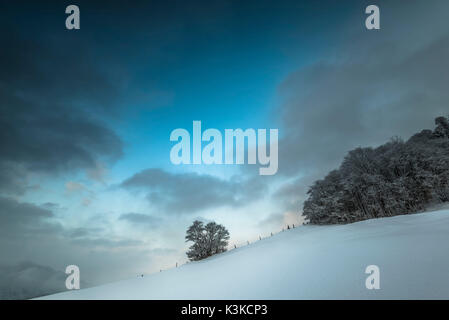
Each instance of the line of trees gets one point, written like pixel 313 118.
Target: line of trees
pixel 393 179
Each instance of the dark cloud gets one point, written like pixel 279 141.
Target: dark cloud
pixel 22 219
pixel 12 178
pixel 192 192
pixel 50 205
pixel 374 86
pixel 28 280
pixel 25 221
pixel 163 251
pixel 106 243
pixel 141 219
pixel 336 107
pixel 292 194
pixel 51 97
pixel 82 232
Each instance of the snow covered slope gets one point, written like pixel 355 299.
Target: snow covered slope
pixel 310 262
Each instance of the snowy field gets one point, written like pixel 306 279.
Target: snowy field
pixel 310 262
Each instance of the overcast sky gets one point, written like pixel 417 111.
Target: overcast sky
pixel 86 116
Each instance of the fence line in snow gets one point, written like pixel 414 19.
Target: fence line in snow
pixel 234 246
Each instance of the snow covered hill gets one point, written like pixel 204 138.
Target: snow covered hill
pixel 310 262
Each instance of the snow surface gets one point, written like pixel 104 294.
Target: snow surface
pixel 309 262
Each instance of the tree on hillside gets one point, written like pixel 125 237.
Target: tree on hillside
pixel 396 178
pixel 208 240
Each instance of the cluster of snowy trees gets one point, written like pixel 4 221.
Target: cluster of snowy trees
pixel 207 240
pixel 393 179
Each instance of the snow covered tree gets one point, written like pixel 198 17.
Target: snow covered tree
pixel 207 240
pixel 396 178
pixel 442 129
pixel 217 238
pixel 196 234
